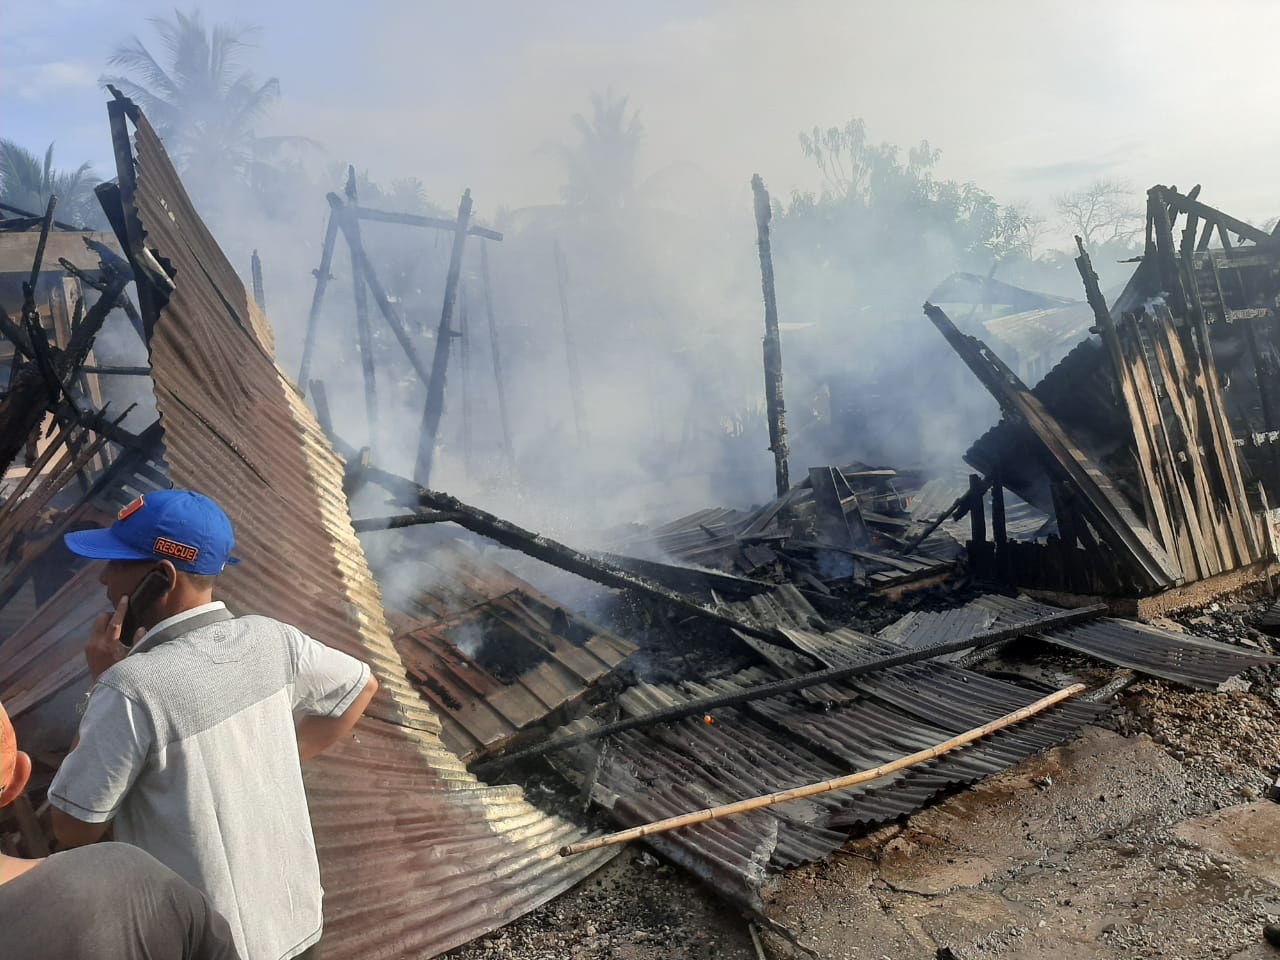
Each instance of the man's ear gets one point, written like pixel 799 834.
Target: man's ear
pixel 171 574
pixel 21 774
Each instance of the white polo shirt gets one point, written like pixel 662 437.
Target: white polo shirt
pixel 188 746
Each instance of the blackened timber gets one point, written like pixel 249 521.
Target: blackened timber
pixel 317 297
pixel 15 334
pixel 557 554
pixel 364 333
pixel 977 510
pixel 434 408
pixel 774 404
pixel 1190 205
pixel 376 288
pixel 24 405
pixel 414 220
pixel 1106 508
pixel 400 522
pixel 494 351
pixel 705 705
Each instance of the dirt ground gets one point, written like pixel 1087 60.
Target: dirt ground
pixel 1146 837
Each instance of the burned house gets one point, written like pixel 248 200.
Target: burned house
pixel 756 678
pixel 1150 443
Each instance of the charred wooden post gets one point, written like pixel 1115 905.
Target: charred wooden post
pixel 434 408
pixel 323 277
pixel 364 331
pixel 259 293
pixel 495 352
pixel 570 348
pixel 977 510
pixel 774 405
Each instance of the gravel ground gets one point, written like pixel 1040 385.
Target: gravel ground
pixel 1144 837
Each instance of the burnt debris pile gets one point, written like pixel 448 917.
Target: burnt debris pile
pixel 732 653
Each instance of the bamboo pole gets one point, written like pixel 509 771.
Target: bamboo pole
pixel 825 786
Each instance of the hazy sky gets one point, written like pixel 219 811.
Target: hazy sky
pixel 1024 98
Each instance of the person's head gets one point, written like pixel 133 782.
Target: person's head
pixel 181 534
pixel 15 766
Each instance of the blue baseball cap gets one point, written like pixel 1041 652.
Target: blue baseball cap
pixel 181 526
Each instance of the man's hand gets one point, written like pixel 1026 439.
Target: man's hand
pixel 104 647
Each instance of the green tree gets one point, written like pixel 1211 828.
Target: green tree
pixel 601 167
pixel 26 182
pixel 200 99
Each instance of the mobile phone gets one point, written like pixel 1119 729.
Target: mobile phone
pixel 153 586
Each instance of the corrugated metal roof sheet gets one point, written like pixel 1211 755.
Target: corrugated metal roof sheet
pixel 416 855
pixel 767 745
pixel 1180 657
pixel 474 619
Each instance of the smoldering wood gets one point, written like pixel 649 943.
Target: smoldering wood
pixel 495 352
pixel 375 287
pixel 320 402
pixel 705 705
pixel 433 409
pixel 323 277
pixel 774 403
pixel 570 347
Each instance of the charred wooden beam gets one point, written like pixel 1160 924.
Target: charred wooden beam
pixel 705 705
pixel 774 404
pixel 29 215
pixel 323 277
pixel 414 220
pixel 1190 205
pixel 1107 509
pixel 433 410
pixel 592 568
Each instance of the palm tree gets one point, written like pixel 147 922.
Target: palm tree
pixel 26 183
pixel 201 102
pixel 601 167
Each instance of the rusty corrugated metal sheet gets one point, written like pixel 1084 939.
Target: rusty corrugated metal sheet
pixel 473 618
pixel 416 855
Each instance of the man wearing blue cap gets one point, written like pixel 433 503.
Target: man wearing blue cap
pixel 191 737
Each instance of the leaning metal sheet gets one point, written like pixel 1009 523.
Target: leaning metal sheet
pixel 416 855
